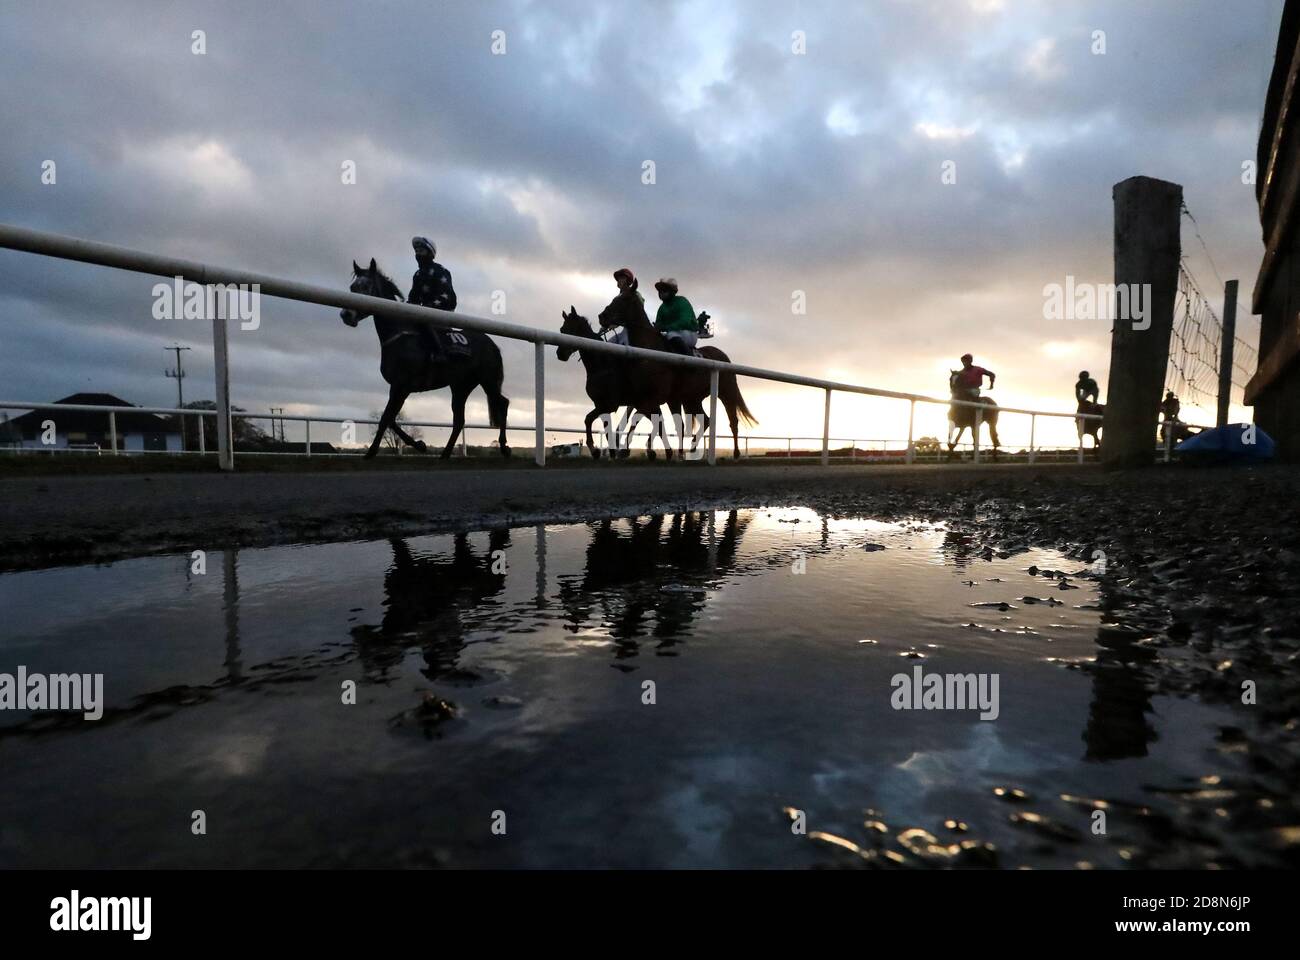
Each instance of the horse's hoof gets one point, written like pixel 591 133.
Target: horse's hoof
pixel 421 446
pixel 445 455
pixel 651 455
pixel 595 454
pixel 505 453
pixel 624 454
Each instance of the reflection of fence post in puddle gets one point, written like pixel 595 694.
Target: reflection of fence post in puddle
pixel 713 542
pixel 541 564
pixel 230 605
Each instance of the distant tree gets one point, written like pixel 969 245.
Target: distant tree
pixel 247 433
pixel 391 440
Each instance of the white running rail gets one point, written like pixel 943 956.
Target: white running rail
pixel 123 258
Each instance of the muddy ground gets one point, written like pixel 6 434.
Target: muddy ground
pixel 1201 586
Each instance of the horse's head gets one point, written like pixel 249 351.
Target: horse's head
pixel 574 325
pixel 370 282
pixel 625 310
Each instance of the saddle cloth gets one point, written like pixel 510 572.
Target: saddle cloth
pixel 454 343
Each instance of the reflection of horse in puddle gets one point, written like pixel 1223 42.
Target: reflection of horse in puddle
pixel 426 599
pixel 646 569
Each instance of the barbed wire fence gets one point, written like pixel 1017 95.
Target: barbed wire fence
pixel 1195 348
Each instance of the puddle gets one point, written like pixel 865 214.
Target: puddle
pixel 501 681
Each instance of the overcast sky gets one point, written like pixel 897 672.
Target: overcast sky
pixel 775 172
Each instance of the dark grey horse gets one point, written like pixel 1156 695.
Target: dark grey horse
pixel 408 367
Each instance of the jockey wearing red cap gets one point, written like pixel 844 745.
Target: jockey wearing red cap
pixel 969 379
pixel 627 284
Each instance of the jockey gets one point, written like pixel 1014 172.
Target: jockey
pixel 966 382
pixel 1086 388
pixel 676 318
pixel 1170 406
pixel 430 287
pixel 626 281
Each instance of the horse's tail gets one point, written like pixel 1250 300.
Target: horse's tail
pixel 745 415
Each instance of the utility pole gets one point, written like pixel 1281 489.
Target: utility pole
pixel 280 411
pixel 178 375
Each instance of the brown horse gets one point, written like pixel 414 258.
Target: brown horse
pixel 1090 428
pixel 651 384
pixel 607 386
pixel 960 417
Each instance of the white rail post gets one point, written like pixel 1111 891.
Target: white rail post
pixel 539 402
pixel 747 448
pixel 221 361
pixel 911 420
pixel 1079 425
pixel 826 430
pixel 979 422
pixel 789 443
pixel 1033 422
pixel 1169 440
pixel 203 441
pixel 112 430
pixel 307 445
pixel 713 419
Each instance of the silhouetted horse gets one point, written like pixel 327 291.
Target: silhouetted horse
pixel 1090 428
pixel 624 573
pixel 1181 431
pixel 652 384
pixel 428 598
pixel 607 385
pixel 960 417
pixel 407 366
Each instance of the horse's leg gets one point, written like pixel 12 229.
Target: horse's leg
pixel 681 428
pixel 627 426
pixel 658 425
pixel 591 443
pixel 459 394
pixel 699 423
pixel 655 423
pixel 395 400
pixel 954 440
pixel 623 433
pixel 734 420
pixel 405 438
pixel 992 421
pixel 498 413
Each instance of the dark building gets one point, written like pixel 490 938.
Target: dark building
pixel 1274 390
pixel 86 428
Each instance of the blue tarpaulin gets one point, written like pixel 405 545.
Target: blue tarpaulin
pixel 1236 441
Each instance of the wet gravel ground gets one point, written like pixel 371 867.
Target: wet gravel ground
pixel 1200 598
pixel 1200 590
